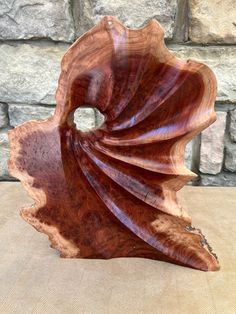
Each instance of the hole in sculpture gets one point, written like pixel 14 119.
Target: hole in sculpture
pixel 110 23
pixel 87 118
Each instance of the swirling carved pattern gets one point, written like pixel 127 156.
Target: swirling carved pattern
pixel 111 192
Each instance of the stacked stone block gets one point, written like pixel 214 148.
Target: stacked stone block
pixel 34 35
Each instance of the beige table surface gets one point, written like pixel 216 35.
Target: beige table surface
pixel 33 279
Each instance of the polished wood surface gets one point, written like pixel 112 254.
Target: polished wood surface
pixel 111 191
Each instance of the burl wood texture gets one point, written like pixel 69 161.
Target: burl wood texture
pixel 111 191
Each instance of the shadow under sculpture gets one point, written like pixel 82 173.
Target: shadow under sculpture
pixel 111 191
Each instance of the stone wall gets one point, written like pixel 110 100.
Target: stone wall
pixel 34 35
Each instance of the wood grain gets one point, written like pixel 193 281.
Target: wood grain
pixel 111 192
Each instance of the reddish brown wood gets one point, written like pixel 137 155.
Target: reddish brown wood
pixel 111 192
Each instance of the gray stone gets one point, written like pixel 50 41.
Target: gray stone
pixel 212 146
pixel 3 116
pixel 188 155
pixel 232 128
pixel 133 14
pixel 181 22
pixel 212 22
pixel 221 60
pixel 222 179
pixel 29 73
pixel 19 113
pixel 230 158
pixel 4 155
pixel 84 118
pixel 24 19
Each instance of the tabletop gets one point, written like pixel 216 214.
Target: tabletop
pixel 34 279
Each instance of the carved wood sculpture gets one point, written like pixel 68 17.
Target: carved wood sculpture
pixel 111 191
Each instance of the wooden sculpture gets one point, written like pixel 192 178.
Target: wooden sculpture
pixel 111 191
